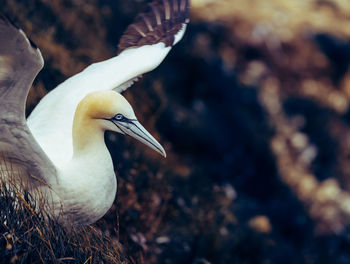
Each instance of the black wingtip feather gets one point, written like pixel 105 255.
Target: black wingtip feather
pixel 4 18
pixel 7 20
pixel 163 20
pixel 32 43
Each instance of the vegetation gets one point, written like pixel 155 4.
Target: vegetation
pixel 28 235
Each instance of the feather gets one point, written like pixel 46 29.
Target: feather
pixel 20 62
pixel 161 23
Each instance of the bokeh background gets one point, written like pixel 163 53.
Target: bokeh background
pixel 252 107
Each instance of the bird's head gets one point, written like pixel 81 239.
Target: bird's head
pixel 114 113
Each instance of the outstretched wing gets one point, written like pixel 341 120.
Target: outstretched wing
pixel 20 62
pixel 151 36
pixel 162 23
pixel 142 48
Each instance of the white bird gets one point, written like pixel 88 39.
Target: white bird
pixel 67 159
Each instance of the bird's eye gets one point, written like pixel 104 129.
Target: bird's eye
pixel 119 116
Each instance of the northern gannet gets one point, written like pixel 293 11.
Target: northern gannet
pixel 60 149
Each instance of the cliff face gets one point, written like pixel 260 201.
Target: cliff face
pixel 253 110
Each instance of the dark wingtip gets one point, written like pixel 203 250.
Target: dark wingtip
pixel 4 18
pixel 7 20
pixel 163 20
pixel 32 43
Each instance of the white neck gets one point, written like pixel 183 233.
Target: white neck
pixel 87 184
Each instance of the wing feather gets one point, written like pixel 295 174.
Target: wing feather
pixel 160 23
pixel 164 22
pixel 143 46
pixel 20 62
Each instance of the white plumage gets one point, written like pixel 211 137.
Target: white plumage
pixel 58 106
pixel 71 163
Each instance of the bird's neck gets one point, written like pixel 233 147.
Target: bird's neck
pixel 87 184
pixel 88 136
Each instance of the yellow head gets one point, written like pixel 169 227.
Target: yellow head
pixel 108 110
pixel 104 105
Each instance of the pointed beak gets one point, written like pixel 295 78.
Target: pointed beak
pixel 136 130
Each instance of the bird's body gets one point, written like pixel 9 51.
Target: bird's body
pixel 60 104
pixel 82 194
pixel 67 159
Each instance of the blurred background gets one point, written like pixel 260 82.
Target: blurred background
pixel 252 107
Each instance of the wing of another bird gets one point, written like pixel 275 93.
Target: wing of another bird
pixel 20 62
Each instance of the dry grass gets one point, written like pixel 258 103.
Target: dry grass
pixel 27 236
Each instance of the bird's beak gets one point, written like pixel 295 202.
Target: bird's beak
pixel 134 129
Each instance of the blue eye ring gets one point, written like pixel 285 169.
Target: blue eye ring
pixel 119 117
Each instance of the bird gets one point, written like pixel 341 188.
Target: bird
pixel 59 151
